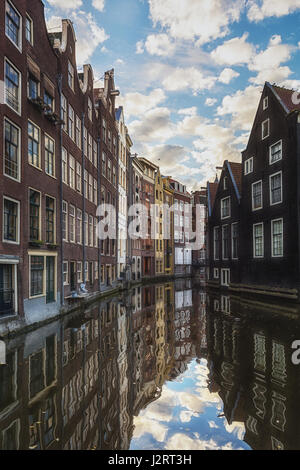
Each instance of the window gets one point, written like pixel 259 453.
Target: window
pixel 79 271
pixel 71 128
pixel 234 240
pixel 277 238
pixel 265 129
pixel 64 166
pixel 79 227
pixel 11 218
pixel 108 169
pixel 78 177
pixel 49 156
pixel 35 204
pixel 104 130
pixel 90 148
pixel 276 188
pixel 13 25
pixel 63 112
pixel 66 273
pixel 29 30
pixel 91 230
pixel 33 88
pixel 248 166
pixel 78 132
pixel 96 233
pixel 276 152
pixel 225 277
pixel 34 145
pixel 216 273
pixel 12 151
pixel 71 75
pixel 216 243
pixel 65 221
pixel 225 208
pixel 72 172
pixel 265 103
pixel 225 183
pixel 96 267
pixel 90 109
pixel 225 241
pixel 103 164
pixel 114 176
pixel 72 223
pixel 257 200
pixel 49 103
pixel 12 87
pixel 36 276
pixel 95 192
pixel 258 241
pixel 95 152
pixel 50 220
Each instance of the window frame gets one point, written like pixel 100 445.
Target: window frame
pixel 270 152
pixel 229 215
pixel 255 256
pixel 40 214
pixel 20 45
pixel 216 230
pixel 39 167
pixel 225 258
pixel 232 240
pixel 254 209
pixel 46 151
pixel 48 196
pixel 18 224
pixel 265 103
pixel 280 219
pixel 223 270
pixel 31 40
pixel 19 111
pixel 281 188
pixel 11 123
pixel 249 160
pixel 262 129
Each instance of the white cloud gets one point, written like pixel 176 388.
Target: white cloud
pixel 156 126
pixel 234 52
pixel 195 19
pixel 188 111
pixel 140 47
pixel 66 4
pixel 144 425
pixel 260 9
pixel 159 44
pixel 241 106
pixel 89 35
pixel 182 79
pixel 137 104
pixel 99 4
pixel 210 101
pixel 227 75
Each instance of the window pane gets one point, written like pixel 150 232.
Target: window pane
pixel 10 220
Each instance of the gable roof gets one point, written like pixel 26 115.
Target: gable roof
pixel 285 97
pixel 235 171
pixel 211 195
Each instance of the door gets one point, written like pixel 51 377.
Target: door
pixel 73 277
pixel 50 279
pixel 6 289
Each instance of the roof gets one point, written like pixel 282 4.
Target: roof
pixel 237 171
pixel 285 95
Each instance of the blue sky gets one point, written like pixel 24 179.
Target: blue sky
pixel 190 72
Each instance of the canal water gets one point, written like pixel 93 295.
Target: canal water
pixel 162 367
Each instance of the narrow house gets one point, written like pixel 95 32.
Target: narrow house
pixel 224 215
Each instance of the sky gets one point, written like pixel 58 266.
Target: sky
pixel 190 72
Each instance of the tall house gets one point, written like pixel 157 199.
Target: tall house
pixel 199 221
pixel 159 224
pixel 105 102
pixel 270 196
pixel 123 189
pixel 79 167
pixel 136 241
pixel 148 244
pixel 224 226
pixel 169 225
pixel 29 256
pixel 182 229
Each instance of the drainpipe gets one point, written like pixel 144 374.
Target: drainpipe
pixel 83 198
pixel 99 202
pixel 62 289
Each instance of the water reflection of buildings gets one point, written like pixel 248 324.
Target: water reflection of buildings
pixel 251 369
pixel 78 383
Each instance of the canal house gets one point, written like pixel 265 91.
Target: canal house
pixel 224 219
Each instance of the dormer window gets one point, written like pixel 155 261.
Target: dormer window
pixel 265 129
pixel 265 103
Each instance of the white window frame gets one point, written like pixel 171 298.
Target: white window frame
pixel 237 224
pixel 18 46
pixel 66 263
pixel 17 242
pixel 31 22
pixel 72 75
pixel 19 150
pixel 223 271
pixel 270 189
pixel 227 216
pixel 265 103
pixel 72 223
pixel 262 129
pixel 248 163
pixel 270 152
pixel 66 213
pixel 255 256
pixel 225 183
pixel 254 209
pixel 272 232
pixel 223 230
pixel 216 273
pixel 19 113
pixel 214 240
pixel 79 272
